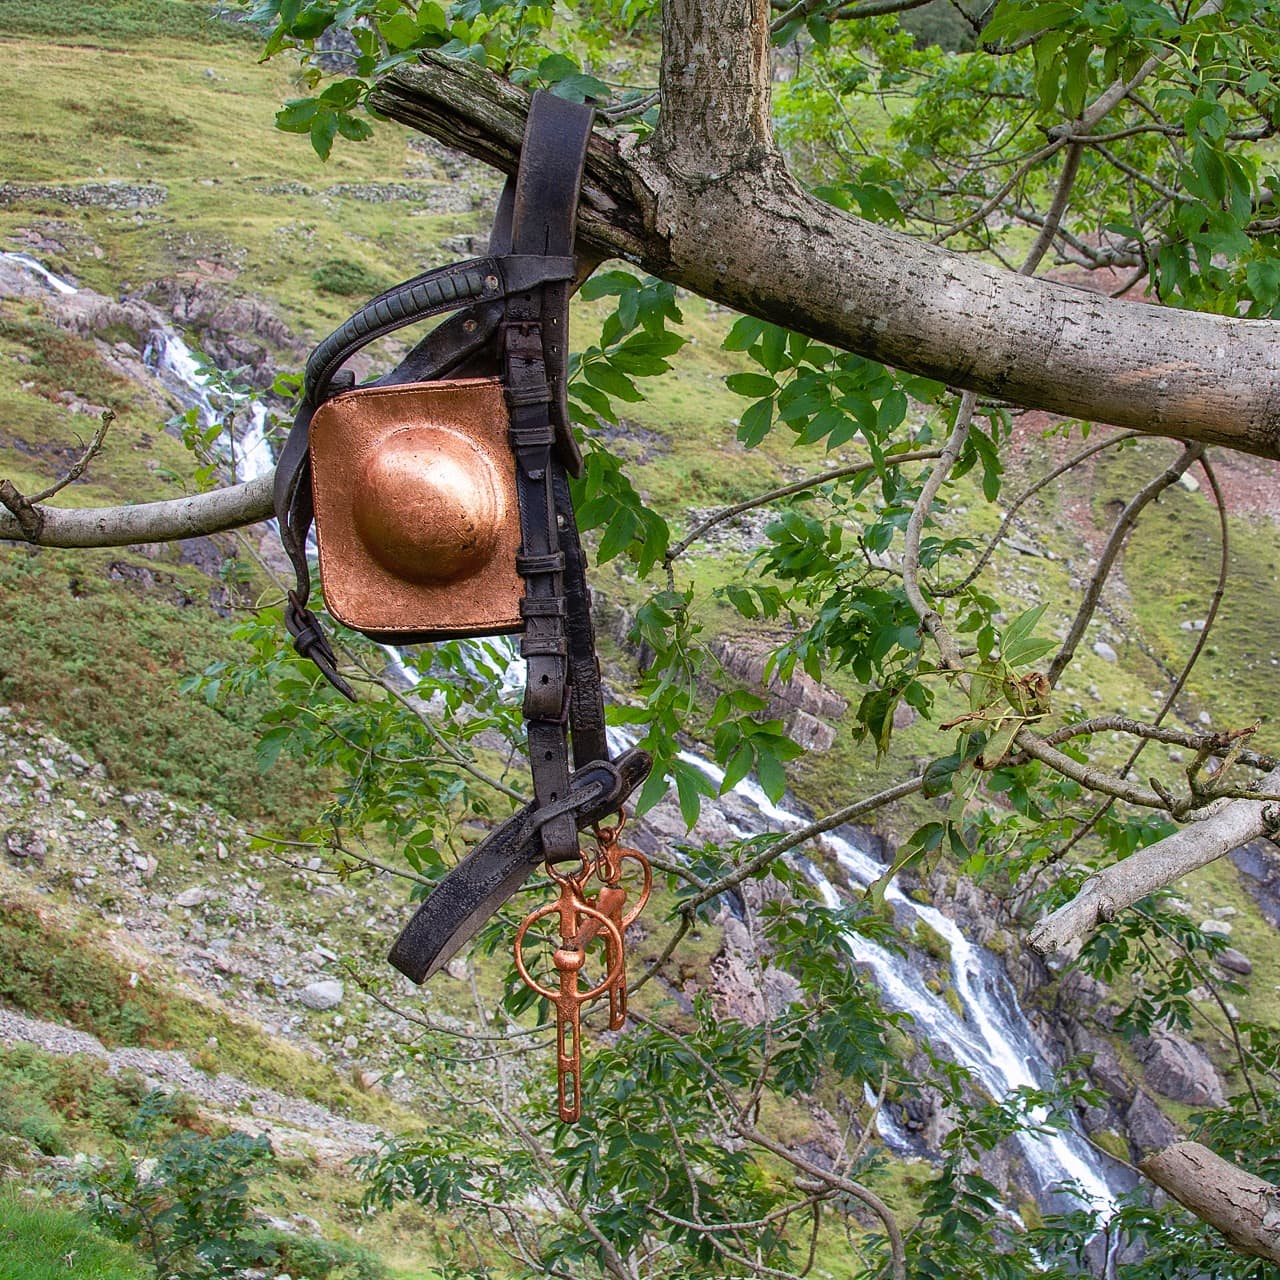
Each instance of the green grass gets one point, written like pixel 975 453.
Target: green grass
pixel 59 966
pixel 97 655
pixel 121 20
pixel 40 1242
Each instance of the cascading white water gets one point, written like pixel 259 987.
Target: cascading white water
pixel 992 1038
pixel 243 443
pixel 31 267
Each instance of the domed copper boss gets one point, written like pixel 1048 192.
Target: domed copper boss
pixel 415 504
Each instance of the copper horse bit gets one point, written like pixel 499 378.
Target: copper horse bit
pixel 582 920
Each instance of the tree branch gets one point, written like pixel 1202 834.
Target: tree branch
pixel 1127 519
pixel 752 239
pixel 1159 865
pixel 190 517
pixel 1244 1208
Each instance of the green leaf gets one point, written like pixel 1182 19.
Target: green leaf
pixel 773 348
pixel 688 793
pixel 324 129
pixel 297 114
pixel 354 128
pixel 738 767
pixel 751 384
pixel 609 380
pixel 745 331
pixel 939 773
pixel 755 422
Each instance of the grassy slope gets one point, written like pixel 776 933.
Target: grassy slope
pixel 39 1242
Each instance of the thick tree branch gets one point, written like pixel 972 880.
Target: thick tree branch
pixel 753 239
pixel 1120 885
pixel 1245 1208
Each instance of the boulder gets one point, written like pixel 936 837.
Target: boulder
pixel 1179 1069
pixel 321 995
pixel 1149 1128
pixel 1259 866
pixel 191 898
pixel 25 847
pixel 1234 962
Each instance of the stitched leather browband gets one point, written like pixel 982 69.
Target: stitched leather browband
pixel 511 322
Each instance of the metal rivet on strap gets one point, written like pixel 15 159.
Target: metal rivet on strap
pixel 491 283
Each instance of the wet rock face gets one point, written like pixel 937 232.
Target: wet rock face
pixel 1149 1128
pixel 235 332
pixel 801 702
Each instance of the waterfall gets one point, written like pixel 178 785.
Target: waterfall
pixel 31 267
pixel 992 1038
pixel 243 444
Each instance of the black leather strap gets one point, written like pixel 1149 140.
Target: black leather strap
pixel 512 322
pixel 502 862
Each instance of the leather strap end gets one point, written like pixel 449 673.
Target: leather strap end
pixel 311 642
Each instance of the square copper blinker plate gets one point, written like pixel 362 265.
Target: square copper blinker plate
pixel 416 515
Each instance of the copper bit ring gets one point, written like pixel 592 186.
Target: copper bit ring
pixel 611 979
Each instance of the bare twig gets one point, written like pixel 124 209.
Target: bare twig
pixel 785 491
pixel 1106 561
pixel 1022 499
pixel 930 618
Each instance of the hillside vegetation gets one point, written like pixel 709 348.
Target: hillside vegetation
pixel 178 870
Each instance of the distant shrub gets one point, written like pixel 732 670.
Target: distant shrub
pixel 182 1199
pixel 52 974
pixel 315 1257
pixel 127 119
pixel 939 24
pixel 346 279
pixel 49 1100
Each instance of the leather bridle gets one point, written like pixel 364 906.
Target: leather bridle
pixel 510 321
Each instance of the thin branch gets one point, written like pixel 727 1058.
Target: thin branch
pixel 1106 561
pixel 776 849
pixel 194 516
pixel 1025 496
pixel 930 618
pixel 846 13
pixel 798 486
pixel 1217 744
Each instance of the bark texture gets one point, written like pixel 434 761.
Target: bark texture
pixel 1244 1208
pixel 748 236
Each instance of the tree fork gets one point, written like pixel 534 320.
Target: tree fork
pixel 751 238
